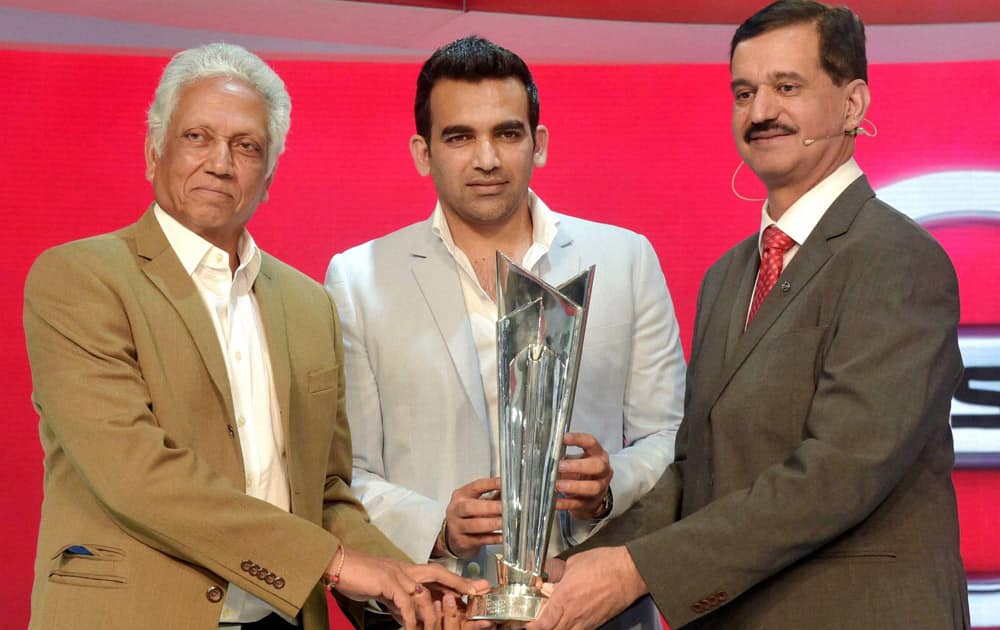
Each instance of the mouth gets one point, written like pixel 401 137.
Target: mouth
pixel 213 192
pixel 488 187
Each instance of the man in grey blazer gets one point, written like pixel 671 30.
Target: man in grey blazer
pixel 419 313
pixel 812 486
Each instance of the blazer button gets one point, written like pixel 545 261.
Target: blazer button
pixel 269 579
pixel 214 594
pixel 279 583
pixel 246 564
pixel 262 574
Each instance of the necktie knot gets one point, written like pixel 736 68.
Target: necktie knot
pixel 775 239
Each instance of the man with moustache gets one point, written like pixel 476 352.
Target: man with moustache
pixel 191 397
pixel 812 486
pixel 419 313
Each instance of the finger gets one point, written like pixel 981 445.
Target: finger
pixel 404 605
pixel 584 466
pixel 582 489
pixel 478 487
pixel 424 607
pixel 438 574
pixel 586 441
pixel 549 617
pixel 473 524
pixel 450 619
pixel 466 508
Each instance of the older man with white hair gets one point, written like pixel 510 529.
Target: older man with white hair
pixel 191 397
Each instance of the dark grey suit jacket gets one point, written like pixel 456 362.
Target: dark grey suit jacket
pixel 812 487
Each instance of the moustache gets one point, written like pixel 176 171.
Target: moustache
pixel 768 125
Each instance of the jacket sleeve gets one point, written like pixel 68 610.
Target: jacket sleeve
pixel 411 520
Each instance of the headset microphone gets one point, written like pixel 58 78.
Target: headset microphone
pixel 810 141
pixel 857 131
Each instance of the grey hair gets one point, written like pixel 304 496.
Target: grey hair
pixel 221 60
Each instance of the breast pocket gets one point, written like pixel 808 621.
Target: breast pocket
pixel 90 565
pixel 321 380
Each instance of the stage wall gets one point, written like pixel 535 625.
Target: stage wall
pixel 646 147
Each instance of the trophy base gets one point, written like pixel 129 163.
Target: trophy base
pixel 507 602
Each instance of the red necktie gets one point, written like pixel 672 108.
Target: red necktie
pixel 774 244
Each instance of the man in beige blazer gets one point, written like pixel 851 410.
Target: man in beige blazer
pixel 812 487
pixel 191 396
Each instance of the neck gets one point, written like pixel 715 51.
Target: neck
pixel 782 194
pixel 512 237
pixel 480 243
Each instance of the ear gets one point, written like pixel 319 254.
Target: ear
pixel 421 154
pixel 152 159
pixel 858 100
pixel 541 153
pixel 267 188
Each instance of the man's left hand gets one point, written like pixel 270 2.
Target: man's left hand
pixel 597 585
pixel 583 481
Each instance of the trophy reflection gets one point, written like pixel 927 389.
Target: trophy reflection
pixel 539 338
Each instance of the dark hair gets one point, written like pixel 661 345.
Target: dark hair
pixel 841 34
pixel 472 59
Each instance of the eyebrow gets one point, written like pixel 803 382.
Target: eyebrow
pixel 454 129
pixel 774 77
pixel 510 125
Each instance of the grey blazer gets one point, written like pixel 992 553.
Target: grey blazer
pixel 812 487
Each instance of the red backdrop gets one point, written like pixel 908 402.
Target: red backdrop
pixel 646 147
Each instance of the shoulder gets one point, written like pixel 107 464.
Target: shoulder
pixel 381 259
pixel 884 236
pixel 290 279
pixel 103 254
pixel 401 241
pixel 604 234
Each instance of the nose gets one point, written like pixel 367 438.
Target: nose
pixel 764 106
pixel 486 156
pixel 220 159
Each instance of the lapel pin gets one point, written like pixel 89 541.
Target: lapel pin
pixel 786 286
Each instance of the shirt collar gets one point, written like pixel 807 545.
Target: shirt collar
pixel 196 253
pixel 802 216
pixel 544 224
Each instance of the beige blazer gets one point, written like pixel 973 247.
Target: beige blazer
pixel 812 487
pixel 145 521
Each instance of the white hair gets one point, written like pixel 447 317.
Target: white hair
pixel 221 60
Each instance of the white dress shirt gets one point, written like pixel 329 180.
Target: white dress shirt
pixel 802 216
pixel 233 309
pixel 480 306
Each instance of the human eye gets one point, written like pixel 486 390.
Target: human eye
pixel 787 89
pixel 195 136
pixel 742 95
pixel 457 138
pixel 248 147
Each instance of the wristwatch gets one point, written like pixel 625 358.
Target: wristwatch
pixel 606 506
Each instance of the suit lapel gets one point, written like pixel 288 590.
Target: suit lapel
pixel 810 258
pixel 272 312
pixel 436 274
pixel 165 271
pixel 563 260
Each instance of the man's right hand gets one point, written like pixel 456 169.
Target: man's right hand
pixel 473 521
pixel 406 589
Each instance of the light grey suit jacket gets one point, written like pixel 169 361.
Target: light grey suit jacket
pixel 415 395
pixel 812 487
